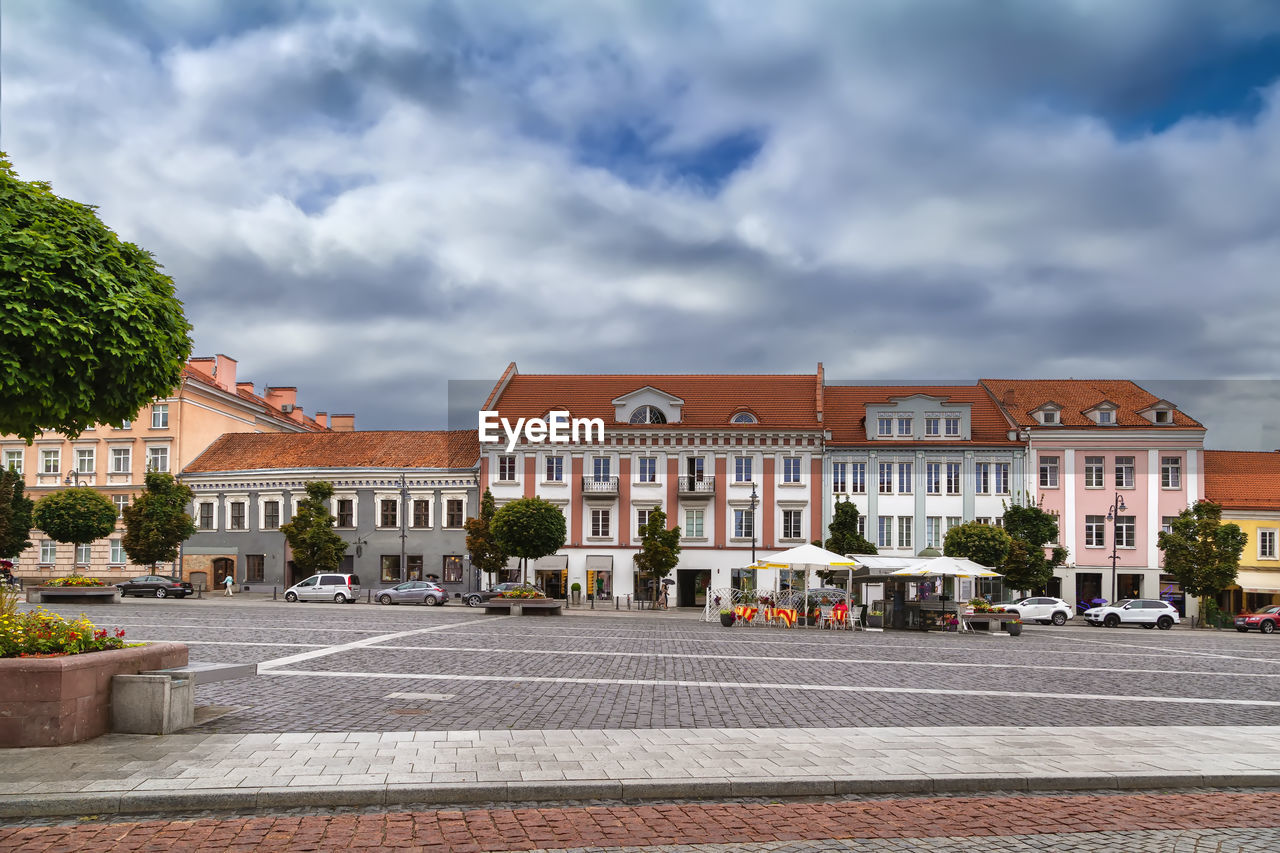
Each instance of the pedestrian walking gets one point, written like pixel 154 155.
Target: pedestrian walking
pixel 227 583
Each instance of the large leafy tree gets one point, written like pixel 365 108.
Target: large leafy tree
pixel 486 554
pixel 982 543
pixel 78 515
pixel 659 547
pixel 844 538
pixel 1031 529
pixel 15 515
pixel 1202 552
pixel 90 329
pixel 529 528
pixel 156 523
pixel 316 547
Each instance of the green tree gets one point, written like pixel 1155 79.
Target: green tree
pixel 982 543
pixel 659 547
pixel 844 538
pixel 78 515
pixel 15 515
pixel 315 545
pixel 156 523
pixel 1031 529
pixel 529 528
pixel 486 554
pixel 1201 552
pixel 90 329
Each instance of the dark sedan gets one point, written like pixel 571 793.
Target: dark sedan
pixel 159 586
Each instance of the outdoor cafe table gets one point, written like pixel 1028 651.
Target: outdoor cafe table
pixel 745 613
pixel 785 615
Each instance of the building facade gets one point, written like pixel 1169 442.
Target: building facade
pixel 1247 485
pixel 401 500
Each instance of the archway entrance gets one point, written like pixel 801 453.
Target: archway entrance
pixel 223 566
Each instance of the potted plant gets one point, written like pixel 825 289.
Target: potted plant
pixel 875 618
pixel 1014 628
pixel 576 589
pixel 726 617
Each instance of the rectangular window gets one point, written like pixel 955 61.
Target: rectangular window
pixel 600 522
pixel 160 416
pixel 998 521
pixel 1094 531
pixel 952 521
pixel 1057 530
pixel 862 526
pixel 601 466
pixel 117 553
pixel 451 568
pixel 48 551
pixel 886 478
pixel 983 519
pixel 1266 544
pixel 742 469
pixel 125 425
pixel 642 518
pixel 744 523
pixel 158 459
pixel 933 531
pixel 1124 531
pixel 693 523
pixel 346 512
pixel 237 515
pixel 121 460
pixel 953 478
pixel 506 468
pixel 255 568
pixel 884 426
pixel 1124 472
pixel 271 515
pixel 13 461
pixel 422 513
pixel 884 533
pixel 932 426
pixel 204 516
pixel 904 478
pixel 791 528
pixel 121 501
pixel 791 469
pixel 858 478
pixel 1106 417
pixel 453 512
pixel 390 566
pixel 904 426
pixel 84 554
pixel 388 515
pixel 1093 472
pixel 839 477
pixel 982 478
pixel 413 567
pixel 1002 478
pixel 555 469
pixel 50 461
pixel 953 427
pixel 1048 472
pixel 904 532
pixel 1166 523
pixel 1171 472
pixel 648 469
pixel 933 478
pixel 85 460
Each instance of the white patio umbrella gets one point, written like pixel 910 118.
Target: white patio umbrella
pixel 947 567
pixel 807 557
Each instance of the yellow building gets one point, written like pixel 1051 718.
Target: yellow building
pixel 1247 485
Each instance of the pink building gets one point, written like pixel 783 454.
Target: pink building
pixel 1114 463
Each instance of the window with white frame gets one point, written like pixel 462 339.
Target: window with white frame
pixel 1171 472
pixel 125 425
pixel 204 515
pixel 904 532
pixel 791 469
pixel 933 531
pixel 84 554
pixel 160 416
pixel 647 469
pixel 982 478
pixel 744 523
pixel 389 512
pixel 1093 472
pixel 952 521
pixel 1166 523
pixel 933 478
pixel 158 459
pixel 51 461
pixel 693 523
pixel 886 478
pixel 1106 416
pixel 858 478
pixel 1001 470
pixel 742 469
pixel 791 528
pixel 1266 544
pixel 642 518
pixel 983 519
pixel 48 552
pixel 455 512
pixel 904 478
pixel 271 514
pixel 1057 528
pixel 861 526
pixel 506 468
pixel 884 426
pixel 839 477
pixel 1094 531
pixel 121 460
pixel 884 531
pixel 13 461
pixel 933 426
pixel 421 513
pixel 1125 531
pixel 904 426
pixel 1124 472
pixel 85 460
pixel 555 469
pixel 1163 416
pixel 953 478
pixel 953 427
pixel 601 469
pixel 346 515
pixel 117 552
pixel 121 501
pixel 600 522
pixel 1049 416
pixel 235 519
pixel 1048 472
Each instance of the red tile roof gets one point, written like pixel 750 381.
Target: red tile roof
pixel 779 401
pixel 190 374
pixel 1243 479
pixel 846 412
pixel 1020 397
pixel 250 451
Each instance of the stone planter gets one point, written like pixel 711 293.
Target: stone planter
pixel 60 700
pixel 875 621
pixel 727 620
pixel 1014 628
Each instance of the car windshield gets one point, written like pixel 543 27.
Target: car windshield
pixel 1122 602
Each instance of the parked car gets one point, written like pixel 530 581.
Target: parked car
pixel 1147 612
pixel 325 587
pixel 1264 620
pixel 414 592
pixel 1042 609
pixel 160 586
pixel 475 599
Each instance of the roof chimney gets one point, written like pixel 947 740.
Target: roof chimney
pixel 342 423
pixel 224 372
pixel 322 418
pixel 246 387
pixel 283 398
pixel 818 398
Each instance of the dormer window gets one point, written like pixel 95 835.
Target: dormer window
pixel 744 418
pixel 648 415
pixel 884 426
pixel 1048 417
pixel 1163 416
pixel 1106 417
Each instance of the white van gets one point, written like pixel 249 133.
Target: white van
pixel 325 587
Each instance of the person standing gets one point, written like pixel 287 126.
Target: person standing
pixel 227 583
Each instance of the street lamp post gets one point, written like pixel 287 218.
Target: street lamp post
pixel 73 478
pixel 753 523
pixel 1113 516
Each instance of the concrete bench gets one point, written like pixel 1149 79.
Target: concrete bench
pixel 202 672
pixel 163 701
pixel 73 594
pixel 524 606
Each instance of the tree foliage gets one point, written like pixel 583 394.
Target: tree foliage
pixel 156 523
pixel 982 543
pixel 529 528
pixel 90 329
pixel 1202 552
pixel 315 545
pixel 1031 530
pixel 486 554
pixel 15 515
pixel 78 515
pixel 659 547
pixel 844 538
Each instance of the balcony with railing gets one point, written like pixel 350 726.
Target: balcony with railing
pixel 599 487
pixel 696 486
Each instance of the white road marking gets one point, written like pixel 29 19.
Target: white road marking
pixel 436 697
pixel 356 644
pixel 1175 649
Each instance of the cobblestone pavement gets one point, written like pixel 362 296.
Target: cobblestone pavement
pixel 371 668
pixel 1223 822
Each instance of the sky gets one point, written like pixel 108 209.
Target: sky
pixel 368 200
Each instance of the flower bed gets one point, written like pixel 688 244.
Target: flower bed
pixel 74 580
pixel 39 633
pixel 523 592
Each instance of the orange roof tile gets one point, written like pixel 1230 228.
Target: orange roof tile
pixel 846 411
pixel 1243 479
pixel 250 451
pixel 1020 397
pixel 191 374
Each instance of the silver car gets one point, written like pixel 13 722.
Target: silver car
pixel 325 587
pixel 414 592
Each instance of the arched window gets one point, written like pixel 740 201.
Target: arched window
pixel 648 415
pixel 744 418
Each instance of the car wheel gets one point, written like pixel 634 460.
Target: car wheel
pixel 290 596
pixel 473 601
pixel 384 599
pixel 161 593
pixel 1112 621
pixel 340 598
pixel 1147 625
pixel 1059 619
pixel 431 601
pixel 1243 630
pixel 1267 626
pixel 1164 623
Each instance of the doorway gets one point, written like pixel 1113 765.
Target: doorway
pixel 222 567
pixel 551 581
pixel 694 468
pixel 1128 586
pixel 691 587
pixel 1088 588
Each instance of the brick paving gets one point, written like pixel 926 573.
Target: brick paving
pixel 1064 822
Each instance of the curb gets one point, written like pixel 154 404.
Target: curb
pixel 512 793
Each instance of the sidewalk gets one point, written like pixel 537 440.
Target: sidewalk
pixel 133 773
